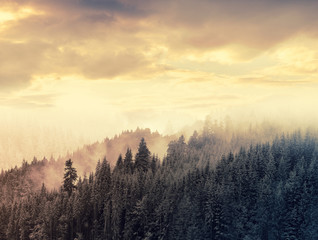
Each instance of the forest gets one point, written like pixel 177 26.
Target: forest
pixel 214 185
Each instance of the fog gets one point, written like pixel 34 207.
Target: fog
pixel 85 142
pixel 23 138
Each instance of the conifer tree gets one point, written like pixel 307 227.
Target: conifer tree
pixel 70 177
pixel 142 157
pixel 128 164
pixel 153 164
pixel 119 162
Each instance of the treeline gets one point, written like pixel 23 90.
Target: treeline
pixel 29 176
pixel 213 139
pixel 264 191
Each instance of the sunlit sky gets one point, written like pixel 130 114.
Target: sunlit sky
pixel 92 68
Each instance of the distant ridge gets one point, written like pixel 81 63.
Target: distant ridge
pixel 30 176
pixel 85 158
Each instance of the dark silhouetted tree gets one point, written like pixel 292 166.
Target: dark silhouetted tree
pixel 128 164
pixel 119 163
pixel 70 177
pixel 142 159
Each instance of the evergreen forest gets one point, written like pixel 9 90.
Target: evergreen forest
pixel 206 187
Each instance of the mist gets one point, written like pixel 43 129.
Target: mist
pixel 23 137
pixel 236 131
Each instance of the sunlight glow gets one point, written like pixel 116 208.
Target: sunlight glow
pixel 99 69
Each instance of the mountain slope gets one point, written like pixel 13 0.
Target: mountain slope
pixel 21 180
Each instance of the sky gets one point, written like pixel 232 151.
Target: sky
pixel 76 71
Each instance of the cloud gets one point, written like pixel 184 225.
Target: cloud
pixel 127 7
pixel 256 24
pixel 138 39
pixel 196 24
pixel 271 81
pixel 107 64
pixel 30 101
pixel 18 62
pixel 112 65
pixel 81 42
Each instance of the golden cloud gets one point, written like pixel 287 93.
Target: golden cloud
pixel 146 39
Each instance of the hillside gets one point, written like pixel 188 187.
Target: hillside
pixel 85 158
pixel 261 191
pixel 21 180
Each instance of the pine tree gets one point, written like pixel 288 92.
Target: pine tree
pixel 70 177
pixel 119 163
pixel 128 164
pixel 142 157
pixel 101 192
pixel 154 163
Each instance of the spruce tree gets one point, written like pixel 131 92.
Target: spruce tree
pixel 119 164
pixel 128 164
pixel 70 177
pixel 142 157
